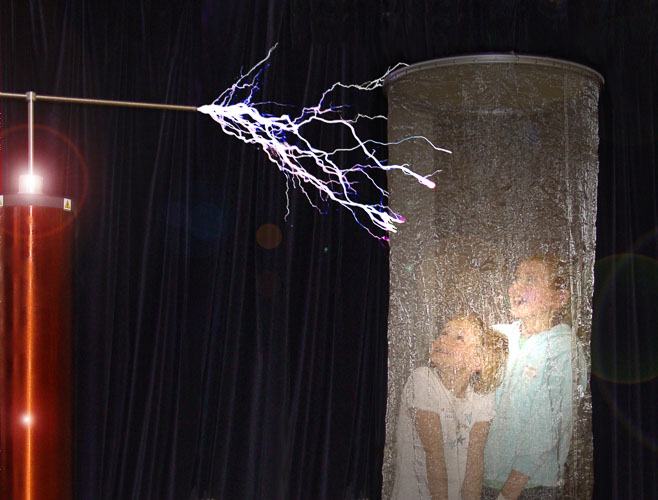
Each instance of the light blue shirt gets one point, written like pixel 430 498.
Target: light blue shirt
pixel 531 432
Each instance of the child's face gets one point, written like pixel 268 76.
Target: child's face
pixel 457 345
pixel 533 293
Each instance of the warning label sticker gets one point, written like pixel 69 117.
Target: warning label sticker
pixel 2 201
pixel 67 204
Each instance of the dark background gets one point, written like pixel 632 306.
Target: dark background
pixel 209 366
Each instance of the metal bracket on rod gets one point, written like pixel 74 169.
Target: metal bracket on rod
pixel 32 183
pixel 31 97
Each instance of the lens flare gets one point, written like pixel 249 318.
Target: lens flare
pixel 30 184
pixel 283 140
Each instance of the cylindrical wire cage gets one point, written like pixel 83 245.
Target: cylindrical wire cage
pixel 520 184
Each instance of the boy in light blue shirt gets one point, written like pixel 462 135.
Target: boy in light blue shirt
pixel 530 435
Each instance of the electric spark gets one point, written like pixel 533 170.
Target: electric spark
pixel 282 139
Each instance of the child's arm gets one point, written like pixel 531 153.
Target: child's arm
pixel 514 485
pixel 428 425
pixel 472 487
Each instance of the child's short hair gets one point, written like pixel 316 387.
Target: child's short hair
pixel 559 268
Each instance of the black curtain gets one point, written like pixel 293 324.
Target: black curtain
pixel 209 365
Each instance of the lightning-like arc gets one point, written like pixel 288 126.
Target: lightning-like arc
pixel 286 146
pixel 283 140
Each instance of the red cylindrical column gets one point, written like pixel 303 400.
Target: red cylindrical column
pixel 36 398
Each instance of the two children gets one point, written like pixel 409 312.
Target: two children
pixel 448 412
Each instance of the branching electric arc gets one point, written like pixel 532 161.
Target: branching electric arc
pixel 282 139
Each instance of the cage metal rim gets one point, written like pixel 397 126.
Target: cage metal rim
pixel 493 59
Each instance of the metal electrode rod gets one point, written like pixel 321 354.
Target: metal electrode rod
pixel 30 96
pixel 101 102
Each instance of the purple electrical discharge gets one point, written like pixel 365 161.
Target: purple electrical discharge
pixel 240 117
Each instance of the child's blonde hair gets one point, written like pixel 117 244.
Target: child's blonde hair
pixel 494 356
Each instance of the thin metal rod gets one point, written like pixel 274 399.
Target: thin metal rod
pixel 10 95
pixel 101 102
pixel 30 96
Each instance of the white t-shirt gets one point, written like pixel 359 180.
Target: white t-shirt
pixel 424 391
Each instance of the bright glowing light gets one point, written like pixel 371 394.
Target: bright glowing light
pixel 30 184
pixel 304 165
pixel 27 419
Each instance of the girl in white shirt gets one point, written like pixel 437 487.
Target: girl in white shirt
pixel 445 411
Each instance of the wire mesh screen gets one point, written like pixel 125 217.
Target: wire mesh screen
pixel 510 224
